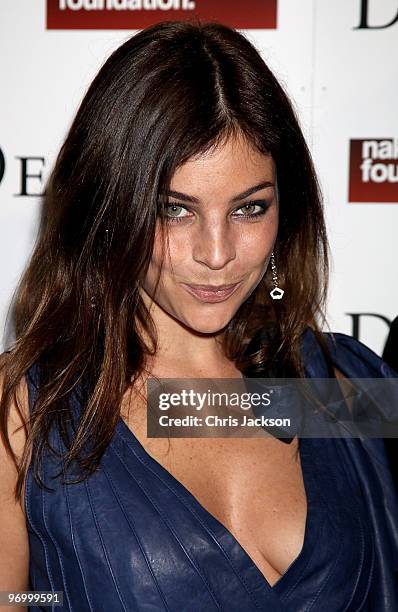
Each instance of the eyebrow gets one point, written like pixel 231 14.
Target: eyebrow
pixel 240 196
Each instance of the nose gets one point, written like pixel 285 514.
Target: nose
pixel 214 244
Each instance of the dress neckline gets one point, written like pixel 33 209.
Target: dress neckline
pixel 286 583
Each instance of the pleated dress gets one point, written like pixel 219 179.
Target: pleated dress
pixel 132 538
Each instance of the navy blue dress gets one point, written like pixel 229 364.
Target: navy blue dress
pixel 133 538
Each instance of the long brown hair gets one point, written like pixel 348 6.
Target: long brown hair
pixel 168 93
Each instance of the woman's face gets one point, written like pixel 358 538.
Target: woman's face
pixel 222 221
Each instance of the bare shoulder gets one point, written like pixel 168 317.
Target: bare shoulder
pixel 14 546
pixel 18 414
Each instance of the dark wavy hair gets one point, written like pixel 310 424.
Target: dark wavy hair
pixel 171 91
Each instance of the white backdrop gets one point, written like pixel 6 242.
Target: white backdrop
pixel 343 82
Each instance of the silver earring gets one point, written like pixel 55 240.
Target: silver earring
pixel 276 292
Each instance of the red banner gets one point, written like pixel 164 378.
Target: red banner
pixel 138 14
pixel 373 170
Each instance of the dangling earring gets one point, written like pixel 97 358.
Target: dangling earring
pixel 276 292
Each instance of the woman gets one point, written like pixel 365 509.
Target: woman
pixel 185 170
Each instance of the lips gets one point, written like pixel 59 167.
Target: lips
pixel 212 287
pixel 208 293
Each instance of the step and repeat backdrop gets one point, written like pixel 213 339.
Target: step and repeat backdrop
pixel 337 60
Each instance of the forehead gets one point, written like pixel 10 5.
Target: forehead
pixel 231 165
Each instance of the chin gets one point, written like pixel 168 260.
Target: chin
pixel 207 324
pixel 207 329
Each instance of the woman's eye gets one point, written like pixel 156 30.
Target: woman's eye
pixel 248 209
pixel 172 213
pixel 175 209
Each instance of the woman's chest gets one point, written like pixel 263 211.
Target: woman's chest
pixel 253 486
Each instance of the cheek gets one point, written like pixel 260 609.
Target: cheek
pixel 169 255
pixel 256 244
